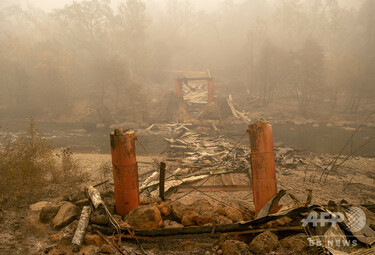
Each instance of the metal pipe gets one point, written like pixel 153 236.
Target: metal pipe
pixel 162 180
pixel 210 88
pixel 125 171
pixel 262 165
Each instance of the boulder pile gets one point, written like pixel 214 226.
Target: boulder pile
pixel 153 214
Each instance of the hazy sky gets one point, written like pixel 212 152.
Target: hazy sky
pixel 48 5
pixel 207 5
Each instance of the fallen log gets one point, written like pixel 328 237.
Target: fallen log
pixel 81 228
pixel 95 197
pixel 254 226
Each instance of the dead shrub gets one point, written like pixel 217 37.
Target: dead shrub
pixel 68 169
pixel 26 165
pixel 105 170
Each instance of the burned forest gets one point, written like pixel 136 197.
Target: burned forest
pixel 170 127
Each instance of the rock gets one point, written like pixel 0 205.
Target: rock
pixel 145 217
pixel 198 213
pixel 66 214
pixel 179 209
pixel 263 243
pixel 202 205
pixel 220 210
pixel 66 235
pixel 223 220
pixel 77 195
pixel 187 219
pixel 89 250
pixel 98 218
pixel 39 206
pixel 234 247
pixel 165 208
pixel 110 203
pixel 204 218
pixel 215 248
pixel 297 243
pixel 193 218
pixel 234 214
pixel 204 212
pixel 148 200
pixel 106 249
pixel 172 224
pixel 83 202
pixel 92 239
pixel 48 213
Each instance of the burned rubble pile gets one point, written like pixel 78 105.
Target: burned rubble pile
pixel 199 150
pixel 152 214
pixel 90 222
pixel 232 229
pixel 195 153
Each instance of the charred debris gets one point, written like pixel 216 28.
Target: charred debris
pixel 178 200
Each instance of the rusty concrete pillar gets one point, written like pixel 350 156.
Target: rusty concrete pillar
pixel 178 88
pixel 210 88
pixel 262 165
pixel 125 171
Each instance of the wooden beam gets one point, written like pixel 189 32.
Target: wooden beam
pixel 209 234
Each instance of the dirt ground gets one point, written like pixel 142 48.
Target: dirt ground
pixel 22 233
pixel 352 181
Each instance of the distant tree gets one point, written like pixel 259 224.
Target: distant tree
pixel 367 49
pixel 85 23
pixel 133 23
pixel 311 73
pixel 350 78
pixel 110 75
pixel 270 71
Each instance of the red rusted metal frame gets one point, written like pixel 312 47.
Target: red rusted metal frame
pixel 210 86
pixel 125 171
pixel 262 165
